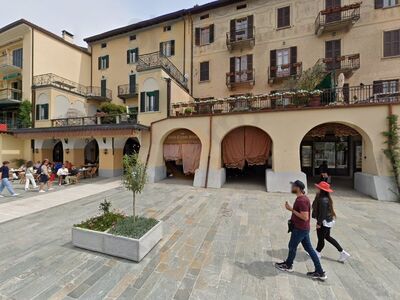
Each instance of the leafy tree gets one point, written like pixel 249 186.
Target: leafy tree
pixel 134 176
pixel 393 148
pixel 24 114
pixel 112 109
pixel 309 79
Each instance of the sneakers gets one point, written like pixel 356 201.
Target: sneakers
pixel 284 267
pixel 1 196
pixel 318 254
pixel 343 256
pixel 50 189
pixel 42 191
pixel 315 275
pixel 14 195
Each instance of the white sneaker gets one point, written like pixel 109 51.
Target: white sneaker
pixel 50 189
pixel 1 196
pixel 14 195
pixel 42 191
pixel 318 254
pixel 343 256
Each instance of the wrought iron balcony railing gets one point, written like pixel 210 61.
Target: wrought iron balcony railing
pixel 156 60
pixel 10 95
pixel 344 63
pixel 98 93
pixel 237 78
pixel 127 91
pixel 98 119
pixel 336 18
pixel 240 38
pixel 281 72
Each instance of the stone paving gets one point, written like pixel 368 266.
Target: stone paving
pixel 218 244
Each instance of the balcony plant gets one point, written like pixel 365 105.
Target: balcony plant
pixel 24 119
pixel 188 111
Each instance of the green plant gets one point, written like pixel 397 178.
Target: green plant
pixel 393 148
pixel 188 110
pixel 134 176
pixel 308 80
pixel 112 109
pixel 24 114
pixel 19 162
pixel 133 227
pixel 105 206
pixel 103 222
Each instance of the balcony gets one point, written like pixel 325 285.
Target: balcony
pixel 280 73
pixel 156 60
pixel 240 39
pixel 291 100
pixel 7 66
pixel 127 91
pixel 239 79
pixel 345 64
pixel 91 93
pixel 10 96
pixel 337 18
pixel 97 120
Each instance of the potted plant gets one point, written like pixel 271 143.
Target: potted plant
pixel 315 98
pixel 188 111
pixel 116 234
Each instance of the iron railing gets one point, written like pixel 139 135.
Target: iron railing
pixel 344 62
pixel 345 96
pixel 157 60
pixel 54 80
pixel 241 36
pixel 10 94
pixel 99 119
pixel 336 15
pixel 285 71
pixel 127 90
pixel 240 77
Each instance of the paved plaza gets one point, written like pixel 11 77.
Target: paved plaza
pixel 218 244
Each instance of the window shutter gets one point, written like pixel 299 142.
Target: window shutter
pixel 172 47
pixel 293 60
pixel 156 100
pixel 142 102
pixel 286 16
pixel 37 112
pixel 46 111
pixel 107 61
pixel 280 18
pixel 204 71
pixel 377 87
pixel 132 84
pixel 250 26
pixel 99 63
pixel 378 4
pixel 128 54
pixel 232 69
pixel 161 48
pixel 387 37
pixel 212 28
pixel 233 30
pixel 137 54
pixel 250 73
pixel 197 36
pixel 272 64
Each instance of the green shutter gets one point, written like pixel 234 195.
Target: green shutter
pixel 37 112
pixel 46 111
pixel 156 100
pixel 142 102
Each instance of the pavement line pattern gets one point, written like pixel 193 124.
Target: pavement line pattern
pixel 23 207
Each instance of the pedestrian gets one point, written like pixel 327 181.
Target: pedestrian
pixel 4 179
pixel 323 171
pixel 299 226
pixel 324 213
pixel 29 176
pixel 44 176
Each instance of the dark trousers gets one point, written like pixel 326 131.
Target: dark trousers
pixel 324 233
pixel 302 236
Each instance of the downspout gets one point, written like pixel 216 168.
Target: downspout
pixel 209 150
pixel 184 45
pixel 191 55
pixel 33 94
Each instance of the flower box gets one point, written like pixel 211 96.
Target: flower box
pixel 119 246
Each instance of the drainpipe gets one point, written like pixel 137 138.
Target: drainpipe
pixel 168 80
pixel 33 98
pixel 191 55
pixel 209 150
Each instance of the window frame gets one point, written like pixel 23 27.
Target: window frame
pixel 200 71
pixel 165 48
pixel 136 56
pixel 208 42
pixel 390 5
pixel 383 45
pixel 278 9
pixel 104 62
pixel 42 112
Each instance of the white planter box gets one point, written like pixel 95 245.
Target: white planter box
pixel 115 245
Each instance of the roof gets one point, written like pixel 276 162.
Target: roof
pixel 45 31
pixel 161 19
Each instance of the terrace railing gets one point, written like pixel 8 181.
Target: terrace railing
pixel 240 37
pixel 126 91
pixel 10 94
pixel 344 63
pixel 99 119
pixel 237 78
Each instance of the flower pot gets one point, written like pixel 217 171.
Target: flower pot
pixel 315 101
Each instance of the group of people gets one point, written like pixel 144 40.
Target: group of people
pixel 299 225
pixel 45 173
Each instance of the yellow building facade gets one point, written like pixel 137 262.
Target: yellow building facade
pixel 194 83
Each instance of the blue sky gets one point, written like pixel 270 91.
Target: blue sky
pixel 88 17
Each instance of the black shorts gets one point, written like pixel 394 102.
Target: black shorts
pixel 43 178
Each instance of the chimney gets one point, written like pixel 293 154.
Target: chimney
pixel 67 36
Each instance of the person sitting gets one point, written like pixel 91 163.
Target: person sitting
pixel 62 173
pixel 73 176
pixel 68 165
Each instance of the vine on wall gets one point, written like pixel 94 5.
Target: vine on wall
pixel 392 151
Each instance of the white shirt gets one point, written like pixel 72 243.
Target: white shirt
pixel 62 171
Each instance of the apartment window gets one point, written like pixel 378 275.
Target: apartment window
pixel 103 62
pixel 167 28
pixel 205 35
pixel 132 37
pixel 283 17
pixel 42 111
pixel 241 68
pixel 132 56
pixel 17 57
pixel 386 3
pixel 391 43
pixel 150 101
pixel 203 17
pixel 241 29
pixel 167 48
pixel 205 71
pixel 283 62
pixel 386 86
pixel 103 45
pixel 242 6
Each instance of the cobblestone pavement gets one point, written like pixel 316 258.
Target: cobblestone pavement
pixel 218 244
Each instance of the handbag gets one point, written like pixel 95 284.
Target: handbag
pixel 290 226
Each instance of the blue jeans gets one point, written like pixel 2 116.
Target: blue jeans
pixel 5 183
pixel 302 236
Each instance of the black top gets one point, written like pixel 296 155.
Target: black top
pixel 321 210
pixel 4 172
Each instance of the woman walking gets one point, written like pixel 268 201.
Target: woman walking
pixel 29 178
pixel 324 213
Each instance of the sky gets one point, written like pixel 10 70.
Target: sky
pixel 85 18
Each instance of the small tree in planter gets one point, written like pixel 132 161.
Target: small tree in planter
pixel 24 114
pixel 134 177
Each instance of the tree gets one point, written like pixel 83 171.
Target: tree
pixel 392 151
pixel 24 114
pixel 134 176
pixel 309 79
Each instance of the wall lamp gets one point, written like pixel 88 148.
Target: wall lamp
pixel 106 151
pixel 36 150
pixel 67 150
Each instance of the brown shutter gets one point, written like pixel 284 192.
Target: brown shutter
pixel 161 49
pixel 250 26
pixel 128 61
pixel 293 60
pixel 378 4
pixel 197 36
pixel 387 45
pixel 232 69
pixel 212 28
pixel 272 66
pixel 250 73
pixel 280 18
pixel 172 47
pixel 99 63
pixel 107 61
pixel 233 30
pixel 286 16
pixel 142 102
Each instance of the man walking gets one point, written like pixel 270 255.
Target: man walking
pixel 300 228
pixel 4 181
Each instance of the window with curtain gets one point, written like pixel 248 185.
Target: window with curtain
pixel 150 101
pixel 282 59
pixel 167 48
pixel 42 111
pixel 17 57
pixel 132 56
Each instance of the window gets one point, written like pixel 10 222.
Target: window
pixel 205 35
pixel 132 37
pixel 386 86
pixel 17 57
pixel 391 43
pixel 205 71
pixel 103 88
pixel 241 68
pixel 167 48
pixel 203 17
pixel 283 17
pixel 242 6
pixel 42 111
pixel 103 45
pixel 386 3
pixel 167 28
pixel 149 101
pixel 104 62
pixel 132 56
pixel 242 29
pixel 282 60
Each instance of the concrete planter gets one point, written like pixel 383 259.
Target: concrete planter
pixel 115 245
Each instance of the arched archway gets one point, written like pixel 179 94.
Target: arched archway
pixel 332 150
pixel 182 151
pixel 92 152
pixel 131 146
pixel 58 152
pixel 246 154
